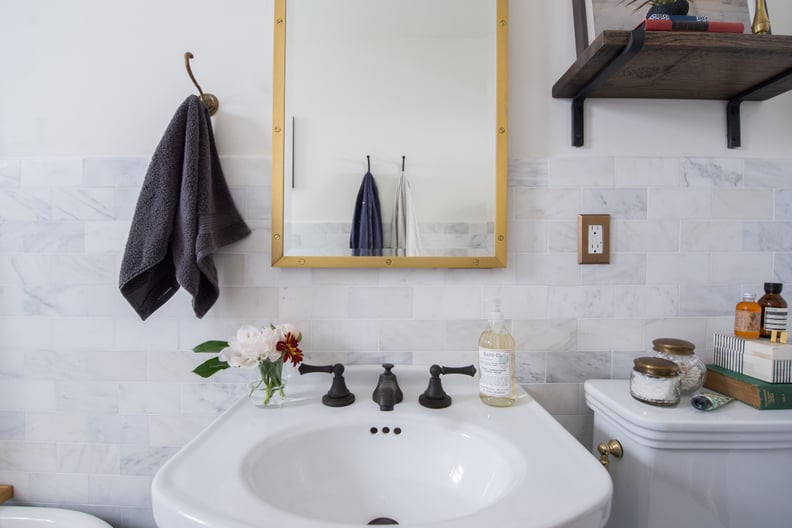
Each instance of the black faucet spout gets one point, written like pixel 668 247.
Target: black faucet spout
pixel 388 393
pixel 386 399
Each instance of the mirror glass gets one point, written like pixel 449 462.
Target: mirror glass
pixel 389 133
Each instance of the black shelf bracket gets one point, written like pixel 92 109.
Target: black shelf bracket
pixel 635 42
pixel 733 136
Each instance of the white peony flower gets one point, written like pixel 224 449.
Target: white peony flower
pixel 287 328
pixel 247 348
pixel 271 336
pixel 235 358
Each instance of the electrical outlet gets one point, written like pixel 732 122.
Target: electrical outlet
pixel 593 239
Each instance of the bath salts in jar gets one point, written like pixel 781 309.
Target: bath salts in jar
pixel 655 381
pixel 691 369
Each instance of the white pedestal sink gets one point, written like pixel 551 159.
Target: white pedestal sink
pixel 307 465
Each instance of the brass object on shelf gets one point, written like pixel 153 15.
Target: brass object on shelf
pixel 777 336
pixel 6 492
pixel 761 23
pixel 210 100
pixel 761 20
pixel 611 447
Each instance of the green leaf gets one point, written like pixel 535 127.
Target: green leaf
pixel 209 367
pixel 211 346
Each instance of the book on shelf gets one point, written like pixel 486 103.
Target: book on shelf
pixel 703 26
pixel 692 18
pixel 754 392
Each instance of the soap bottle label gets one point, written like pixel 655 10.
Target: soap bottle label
pixel 775 318
pixel 746 321
pixel 495 372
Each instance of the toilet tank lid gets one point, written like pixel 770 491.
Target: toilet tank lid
pixel 735 425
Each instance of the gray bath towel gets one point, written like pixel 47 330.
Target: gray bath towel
pixel 184 213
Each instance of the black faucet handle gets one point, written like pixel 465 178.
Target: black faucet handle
pixel 434 396
pixel 305 368
pixel 338 395
pixel 470 370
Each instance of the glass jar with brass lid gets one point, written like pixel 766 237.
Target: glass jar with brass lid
pixel 655 380
pixel 692 369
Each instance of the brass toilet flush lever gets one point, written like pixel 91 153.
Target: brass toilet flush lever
pixel 611 447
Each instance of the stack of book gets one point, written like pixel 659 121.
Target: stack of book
pixel 758 358
pixel 689 23
pixel 754 371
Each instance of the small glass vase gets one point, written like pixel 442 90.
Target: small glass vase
pixel 270 386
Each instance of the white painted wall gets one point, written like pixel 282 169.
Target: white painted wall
pixel 97 78
pixel 92 400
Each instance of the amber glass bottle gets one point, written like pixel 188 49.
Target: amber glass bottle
pixel 747 317
pixel 774 309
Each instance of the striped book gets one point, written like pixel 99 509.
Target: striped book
pixel 758 358
pixel 728 351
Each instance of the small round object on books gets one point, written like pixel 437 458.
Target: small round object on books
pixel 655 381
pixel 691 369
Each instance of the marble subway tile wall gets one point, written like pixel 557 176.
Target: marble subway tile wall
pixel 93 401
pixel 437 238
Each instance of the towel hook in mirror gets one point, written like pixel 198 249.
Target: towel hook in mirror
pixel 211 102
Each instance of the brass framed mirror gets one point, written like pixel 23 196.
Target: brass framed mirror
pixel 412 92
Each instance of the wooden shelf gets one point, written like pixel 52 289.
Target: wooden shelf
pixel 679 65
pixel 6 492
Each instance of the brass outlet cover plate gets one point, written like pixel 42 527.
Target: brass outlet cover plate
pixel 584 222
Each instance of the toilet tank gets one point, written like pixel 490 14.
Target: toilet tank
pixel 727 468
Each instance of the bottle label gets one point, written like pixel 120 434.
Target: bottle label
pixel 495 372
pixel 775 319
pixel 747 321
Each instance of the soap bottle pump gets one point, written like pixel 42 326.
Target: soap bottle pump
pixel 497 362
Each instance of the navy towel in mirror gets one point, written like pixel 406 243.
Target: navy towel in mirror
pixel 366 236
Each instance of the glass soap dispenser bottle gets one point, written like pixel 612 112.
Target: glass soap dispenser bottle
pixel 497 363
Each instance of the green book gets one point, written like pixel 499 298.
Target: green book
pixel 754 392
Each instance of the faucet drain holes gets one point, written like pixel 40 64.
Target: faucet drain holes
pixel 382 520
pixel 385 430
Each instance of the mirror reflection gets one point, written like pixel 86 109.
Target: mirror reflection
pixel 389 142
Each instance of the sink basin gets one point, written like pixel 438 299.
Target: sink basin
pixel 431 470
pixel 307 465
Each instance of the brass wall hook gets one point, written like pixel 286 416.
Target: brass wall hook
pixel 210 100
